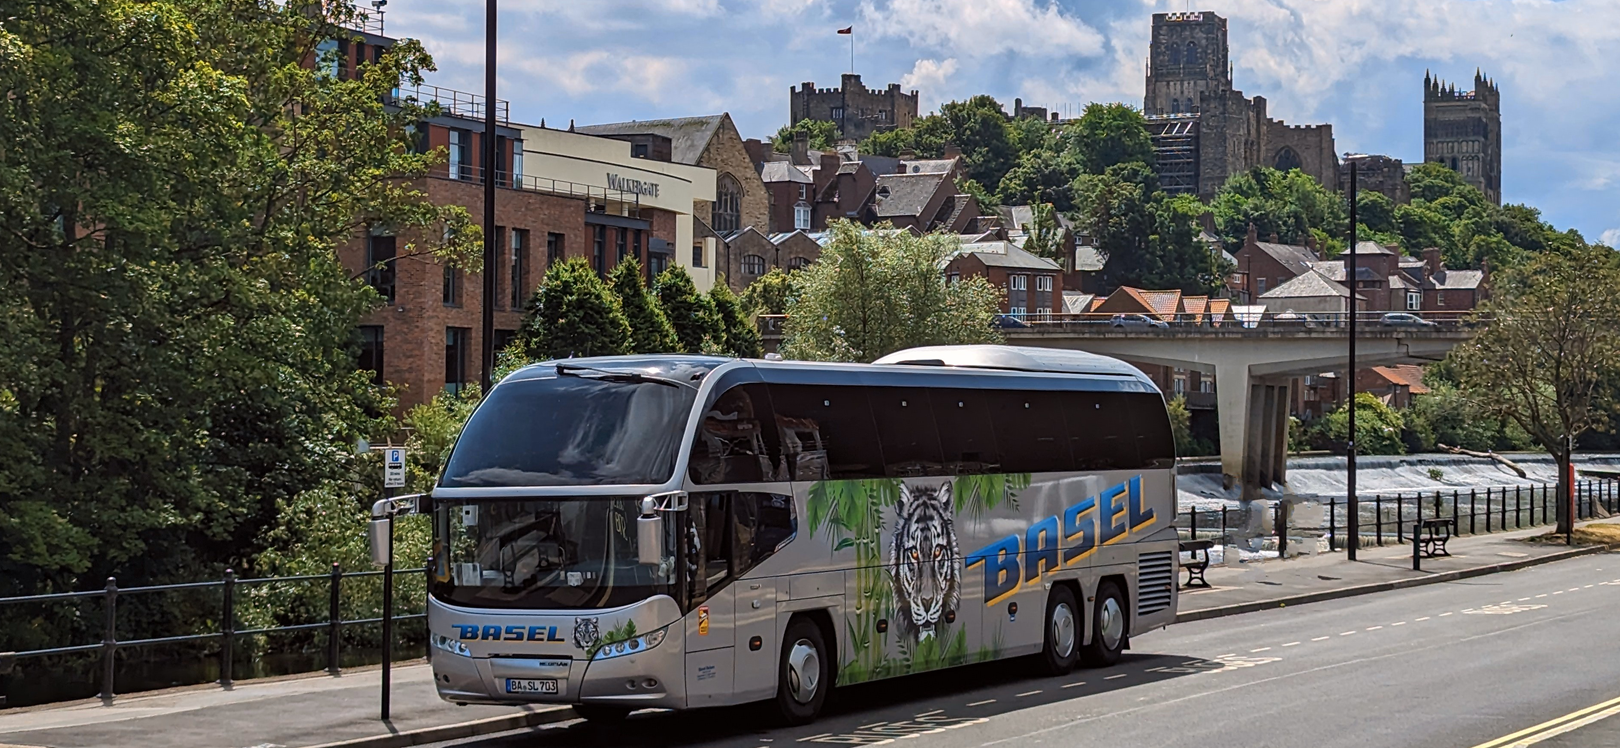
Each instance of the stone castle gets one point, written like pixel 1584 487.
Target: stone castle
pixel 1204 129
pixel 858 111
pixel 1463 130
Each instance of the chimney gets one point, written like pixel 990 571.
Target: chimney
pixel 1431 262
pixel 1310 244
pixel 952 151
pixel 1250 239
pixel 758 152
pixel 1274 239
pixel 907 154
pixel 801 149
pixel 829 164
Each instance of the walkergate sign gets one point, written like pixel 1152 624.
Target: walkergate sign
pixel 633 186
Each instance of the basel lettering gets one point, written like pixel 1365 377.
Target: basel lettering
pixel 1059 541
pixel 632 186
pixel 474 632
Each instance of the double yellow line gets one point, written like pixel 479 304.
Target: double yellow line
pixel 1572 721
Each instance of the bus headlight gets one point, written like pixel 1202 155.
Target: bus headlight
pixel 453 646
pixel 630 646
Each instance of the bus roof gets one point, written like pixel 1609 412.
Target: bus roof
pixel 1014 358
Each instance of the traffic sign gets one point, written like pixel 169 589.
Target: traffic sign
pixel 394 467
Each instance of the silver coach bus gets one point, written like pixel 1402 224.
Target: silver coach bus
pixel 681 531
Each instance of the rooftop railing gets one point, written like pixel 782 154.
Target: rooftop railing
pixel 452 102
pixel 599 199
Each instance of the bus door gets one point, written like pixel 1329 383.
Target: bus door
pixel 710 635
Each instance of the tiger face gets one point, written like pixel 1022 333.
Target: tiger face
pixel 585 633
pixel 924 561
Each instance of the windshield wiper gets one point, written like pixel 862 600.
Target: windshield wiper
pixel 630 377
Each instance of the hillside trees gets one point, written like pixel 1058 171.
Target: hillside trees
pixel 650 330
pixel 572 313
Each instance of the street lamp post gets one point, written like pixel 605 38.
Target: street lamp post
pixel 491 144
pixel 1353 506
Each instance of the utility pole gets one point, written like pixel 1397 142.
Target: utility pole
pixel 491 146
pixel 1353 506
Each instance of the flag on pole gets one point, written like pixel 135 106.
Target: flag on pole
pixel 847 30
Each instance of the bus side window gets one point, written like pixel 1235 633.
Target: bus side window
pixel 1030 430
pixel 717 543
pixel 1102 431
pixel 907 432
pixel 737 440
pixel 1155 445
pixel 967 435
pixel 827 432
pixel 763 522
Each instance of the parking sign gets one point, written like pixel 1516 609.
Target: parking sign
pixel 394 467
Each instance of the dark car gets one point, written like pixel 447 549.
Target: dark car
pixel 1010 321
pixel 1137 320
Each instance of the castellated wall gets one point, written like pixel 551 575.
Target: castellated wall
pixel 1308 148
pixel 857 110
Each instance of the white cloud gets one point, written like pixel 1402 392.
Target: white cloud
pixel 650 78
pixel 981 28
pixel 929 78
pixel 1611 237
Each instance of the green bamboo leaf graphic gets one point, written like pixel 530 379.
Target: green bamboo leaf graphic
pixel 842 544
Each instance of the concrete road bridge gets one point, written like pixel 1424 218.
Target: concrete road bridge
pixel 1263 356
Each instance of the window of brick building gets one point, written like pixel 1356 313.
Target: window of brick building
pixel 1414 301
pixel 554 248
pixel 798 263
pixel 456 341
pixel 371 351
pixel 452 286
pixel 801 216
pixel 697 255
pixel 380 265
pixel 753 265
pixel 635 244
pixel 503 338
pixel 599 250
pixel 620 246
pixel 519 266
pixel 657 263
pixel 460 165
pixel 837 112
pixel 727 204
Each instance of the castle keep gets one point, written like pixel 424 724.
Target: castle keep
pixel 1204 130
pixel 1463 130
pixel 858 111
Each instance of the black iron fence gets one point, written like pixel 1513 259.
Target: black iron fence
pixel 1388 518
pixel 227 634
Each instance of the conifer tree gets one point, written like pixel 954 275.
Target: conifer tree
pixel 738 336
pixel 691 313
pixel 650 330
pixel 573 314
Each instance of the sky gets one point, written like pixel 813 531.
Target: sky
pixel 1357 64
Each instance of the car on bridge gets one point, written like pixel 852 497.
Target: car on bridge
pixel 1404 319
pixel 1137 320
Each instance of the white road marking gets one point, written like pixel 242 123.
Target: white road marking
pixel 1522 599
pixel 1028 693
pixel 1425 618
pixel 924 714
pixel 801 740
pixel 1572 589
pixel 1542 595
pixel 1443 615
pixel 1072 685
pixel 1374 628
pixel 982 703
pixel 1399 623
pixel 1587 587
pixel 1347 633
pixel 1121 675
pixel 1291 644
pixel 1262 649
pixel 1321 638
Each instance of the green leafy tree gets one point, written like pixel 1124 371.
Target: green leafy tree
pixel 1447 415
pixel 875 292
pixel 980 129
pixel 1109 134
pixel 1045 234
pixel 1550 356
pixel 1376 212
pixel 1041 176
pixel 822 135
pixel 738 335
pixel 1378 427
pixel 573 314
pixel 1147 239
pixel 179 368
pixel 769 293
pixel 986 199
pixel 650 330
pixel 692 314
pixel 1289 204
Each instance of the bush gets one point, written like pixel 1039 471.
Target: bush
pixel 1378 428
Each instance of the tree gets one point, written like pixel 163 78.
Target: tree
pixel 573 314
pixel 650 330
pixel 875 292
pixel 738 335
pixel 822 135
pixel 1549 357
pixel 769 293
pixel 1378 427
pixel 979 128
pixel 1147 239
pixel 1041 176
pixel 691 313
pixel 1045 238
pixel 1289 204
pixel 179 366
pixel 1109 134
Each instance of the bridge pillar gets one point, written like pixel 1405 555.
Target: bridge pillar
pixel 1253 428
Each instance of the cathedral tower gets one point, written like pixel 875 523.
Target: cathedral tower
pixel 1463 130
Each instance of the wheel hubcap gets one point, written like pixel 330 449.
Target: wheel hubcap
pixel 804 671
pixel 1062 630
pixel 1111 623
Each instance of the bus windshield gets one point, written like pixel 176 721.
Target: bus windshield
pixel 572 431
pixel 545 554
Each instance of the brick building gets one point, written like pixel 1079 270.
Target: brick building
pixel 1030 285
pixel 858 111
pixel 752 253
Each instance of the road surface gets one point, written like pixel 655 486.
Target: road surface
pixel 1493 661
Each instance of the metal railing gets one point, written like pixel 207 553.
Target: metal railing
pixel 451 102
pixel 599 199
pixel 1285 320
pixel 226 635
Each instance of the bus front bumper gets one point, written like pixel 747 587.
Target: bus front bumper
pixel 654 678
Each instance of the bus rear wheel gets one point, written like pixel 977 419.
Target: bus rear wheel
pixel 1062 647
pixel 602 713
pixel 1108 627
pixel 803 674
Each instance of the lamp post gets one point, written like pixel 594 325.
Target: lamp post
pixel 1353 521
pixel 491 143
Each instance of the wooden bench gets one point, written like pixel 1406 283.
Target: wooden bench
pixel 1430 535
pixel 1196 566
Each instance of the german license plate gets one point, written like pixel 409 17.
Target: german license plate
pixel 531 685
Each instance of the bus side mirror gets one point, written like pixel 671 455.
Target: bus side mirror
pixel 649 534
pixel 382 551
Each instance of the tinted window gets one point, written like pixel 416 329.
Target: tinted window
pixel 571 430
pixel 1155 445
pixel 906 432
pixel 762 522
pixel 967 435
pixel 827 432
pixel 737 440
pixel 1029 428
pixel 1102 435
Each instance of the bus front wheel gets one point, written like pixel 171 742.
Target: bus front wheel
pixel 1108 627
pixel 802 678
pixel 601 714
pixel 1062 645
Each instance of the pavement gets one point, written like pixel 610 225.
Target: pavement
pixel 319 710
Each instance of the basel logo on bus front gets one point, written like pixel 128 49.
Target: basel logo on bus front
pixel 1092 522
pixel 473 631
